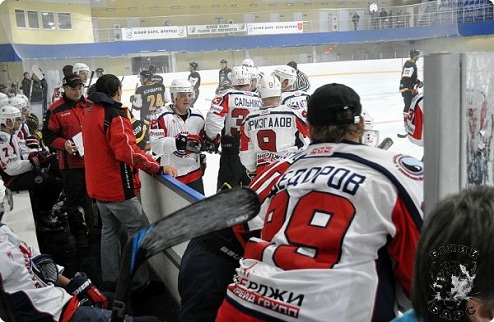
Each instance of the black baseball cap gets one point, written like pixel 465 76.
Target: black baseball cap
pixel 326 106
pixel 223 61
pixel 72 80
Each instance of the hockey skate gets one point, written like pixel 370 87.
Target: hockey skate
pixel 48 222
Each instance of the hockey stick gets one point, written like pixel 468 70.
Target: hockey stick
pixel 385 144
pixel 219 211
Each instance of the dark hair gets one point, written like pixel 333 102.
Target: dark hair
pixel 293 64
pixel 108 84
pixel 67 70
pixel 456 241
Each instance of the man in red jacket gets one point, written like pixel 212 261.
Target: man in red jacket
pixel 62 123
pixel 112 163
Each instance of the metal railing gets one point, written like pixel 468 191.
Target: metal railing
pixel 432 13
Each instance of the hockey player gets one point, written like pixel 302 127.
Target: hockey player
pixel 34 287
pixel 226 115
pixel 58 89
pixel 195 79
pixel 147 98
pixel 296 99
pixel 176 133
pixel 255 74
pixel 4 99
pixel 415 120
pixel 27 142
pixel 268 133
pixel 224 77
pixel 84 73
pixel 329 250
pixel 28 173
pixel 155 78
pixel 409 80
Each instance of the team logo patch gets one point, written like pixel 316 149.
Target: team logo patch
pixel 409 166
pixel 452 276
pixel 321 150
pixel 3 139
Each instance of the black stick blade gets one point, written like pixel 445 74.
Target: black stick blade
pixel 222 210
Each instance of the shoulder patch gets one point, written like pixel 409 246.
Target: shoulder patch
pixel 409 166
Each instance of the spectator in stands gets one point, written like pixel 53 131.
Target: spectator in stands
pixel 302 81
pixel 113 161
pixel 455 260
pixel 355 20
pixel 62 125
pixel 383 16
pixel 40 91
pixel 34 287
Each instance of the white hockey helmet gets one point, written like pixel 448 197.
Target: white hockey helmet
pixel 8 112
pixel 4 99
pixel 81 67
pixel 241 75
pixel 248 62
pixel 18 102
pixel 180 86
pixel 269 86
pixel 285 72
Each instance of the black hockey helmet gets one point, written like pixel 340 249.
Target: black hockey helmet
pixel 194 64
pixel 293 64
pixel 146 73
pixel 223 61
pixel 414 53
pixel 152 69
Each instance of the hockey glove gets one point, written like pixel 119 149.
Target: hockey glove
pixel 32 142
pixel 87 294
pixel 202 159
pixel 188 143
pixel 45 268
pixel 41 159
pixel 212 145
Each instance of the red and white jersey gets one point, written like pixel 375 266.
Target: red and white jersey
pixel 335 217
pixel 162 133
pixel 11 155
pixel 38 299
pixel 297 100
pixel 415 120
pixel 268 133
pixel 23 133
pixel 229 110
pixel 57 92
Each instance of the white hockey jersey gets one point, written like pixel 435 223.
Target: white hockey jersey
pixel 37 300
pixel 415 120
pixel 229 110
pixel 296 99
pixel 166 126
pixel 268 133
pixel 341 226
pixel 11 155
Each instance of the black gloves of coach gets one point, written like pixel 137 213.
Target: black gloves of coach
pixel 87 294
pixel 188 143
